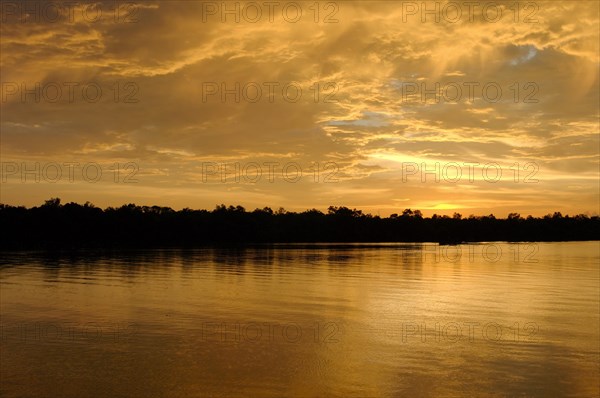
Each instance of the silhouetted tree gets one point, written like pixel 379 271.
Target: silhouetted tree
pixel 72 225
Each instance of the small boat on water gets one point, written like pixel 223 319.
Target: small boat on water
pixel 449 242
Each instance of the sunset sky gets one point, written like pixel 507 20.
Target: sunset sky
pixel 367 113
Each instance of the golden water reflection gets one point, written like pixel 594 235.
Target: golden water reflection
pixel 388 320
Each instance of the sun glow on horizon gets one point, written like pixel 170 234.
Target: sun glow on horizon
pixel 174 106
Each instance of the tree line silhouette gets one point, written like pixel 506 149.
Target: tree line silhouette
pixel 72 225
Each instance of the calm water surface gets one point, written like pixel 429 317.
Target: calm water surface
pixel 393 320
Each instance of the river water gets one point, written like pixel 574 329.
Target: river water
pixel 318 320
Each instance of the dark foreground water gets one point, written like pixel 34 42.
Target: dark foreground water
pixel 487 320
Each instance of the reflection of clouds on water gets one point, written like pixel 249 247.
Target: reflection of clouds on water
pixel 308 320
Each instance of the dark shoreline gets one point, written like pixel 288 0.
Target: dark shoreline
pixel 73 226
pixel 251 246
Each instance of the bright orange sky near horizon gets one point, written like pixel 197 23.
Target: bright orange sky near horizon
pixel 471 107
